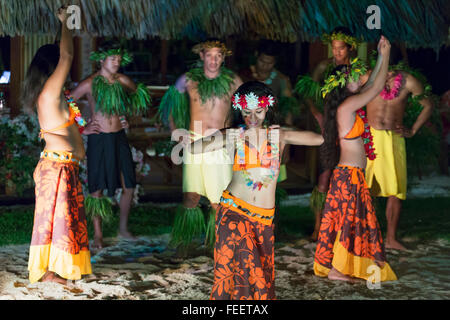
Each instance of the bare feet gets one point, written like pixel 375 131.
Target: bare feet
pixel 394 244
pixel 126 235
pixel 314 236
pixel 98 244
pixel 53 277
pixel 336 275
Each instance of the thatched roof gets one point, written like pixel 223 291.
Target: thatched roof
pixel 421 23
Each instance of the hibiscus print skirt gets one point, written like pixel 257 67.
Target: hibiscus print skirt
pixel 60 240
pixel 243 252
pixel 350 238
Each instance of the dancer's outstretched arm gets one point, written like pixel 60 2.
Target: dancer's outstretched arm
pixel 216 141
pixel 374 72
pixel 302 138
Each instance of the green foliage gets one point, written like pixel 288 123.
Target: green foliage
pixel 210 238
pixel 424 219
pixel 102 55
pixel 307 88
pixel 189 223
pixel 207 88
pixel 112 99
pixel 174 104
pixel 139 100
pixel 288 105
pixel 317 199
pixel 164 147
pixel 99 207
pixel 19 151
pixel 352 41
pixel 16 225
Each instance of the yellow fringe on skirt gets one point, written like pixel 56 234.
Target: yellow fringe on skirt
pixel 353 266
pixel 45 258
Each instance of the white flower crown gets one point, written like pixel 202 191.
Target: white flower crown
pixel 251 101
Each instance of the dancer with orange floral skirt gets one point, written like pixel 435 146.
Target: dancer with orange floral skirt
pixel 350 241
pixel 59 246
pixel 244 247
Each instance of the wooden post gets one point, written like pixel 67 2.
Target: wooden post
pixel 298 57
pixel 317 52
pixel 75 71
pixel 17 73
pixel 164 54
pixel 231 45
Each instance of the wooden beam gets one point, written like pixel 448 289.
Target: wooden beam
pixel 17 73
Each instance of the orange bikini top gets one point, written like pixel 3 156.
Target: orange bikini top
pixel 357 129
pixel 249 157
pixel 64 125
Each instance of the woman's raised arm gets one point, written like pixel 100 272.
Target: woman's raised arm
pixel 54 85
pixel 358 101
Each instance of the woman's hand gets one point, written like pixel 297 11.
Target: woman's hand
pixel 62 14
pixel 384 46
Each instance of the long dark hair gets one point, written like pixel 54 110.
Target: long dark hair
pixel 329 150
pixel 259 89
pixel 41 67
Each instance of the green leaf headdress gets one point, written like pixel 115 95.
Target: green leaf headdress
pixel 101 55
pixel 341 78
pixel 352 41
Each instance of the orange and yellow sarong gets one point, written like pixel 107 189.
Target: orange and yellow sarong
pixel 350 238
pixel 60 240
pixel 243 252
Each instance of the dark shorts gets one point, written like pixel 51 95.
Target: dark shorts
pixel 109 155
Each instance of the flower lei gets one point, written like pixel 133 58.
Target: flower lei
pixel 267 179
pixel 357 69
pixel 367 136
pixel 270 79
pixel 352 41
pixel 74 106
pixel 251 101
pixel 394 91
pixel 101 55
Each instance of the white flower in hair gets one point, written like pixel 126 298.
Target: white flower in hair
pixel 236 104
pixel 252 101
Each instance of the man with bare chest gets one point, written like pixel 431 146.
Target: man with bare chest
pixel 386 175
pixel 200 102
pixel 111 96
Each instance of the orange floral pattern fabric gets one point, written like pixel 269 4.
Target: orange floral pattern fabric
pixel 243 258
pixel 59 217
pixel 349 209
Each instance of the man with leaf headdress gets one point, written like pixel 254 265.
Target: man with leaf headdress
pixel 111 96
pixel 200 102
